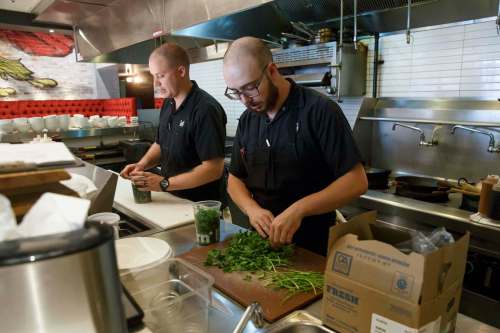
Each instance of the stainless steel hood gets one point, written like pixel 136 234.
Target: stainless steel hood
pixel 103 26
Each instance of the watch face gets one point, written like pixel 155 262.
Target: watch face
pixel 164 184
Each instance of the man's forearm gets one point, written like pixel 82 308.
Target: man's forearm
pixel 202 174
pixel 340 192
pixel 240 194
pixel 151 158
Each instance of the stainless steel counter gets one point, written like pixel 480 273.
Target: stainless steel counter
pixel 225 313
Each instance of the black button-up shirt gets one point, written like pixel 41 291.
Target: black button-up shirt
pixel 190 134
pixel 308 145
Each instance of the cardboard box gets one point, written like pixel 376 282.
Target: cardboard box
pixel 370 286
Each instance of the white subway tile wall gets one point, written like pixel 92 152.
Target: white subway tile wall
pixel 452 61
pixel 209 77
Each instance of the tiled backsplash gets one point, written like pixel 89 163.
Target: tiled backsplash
pixel 453 61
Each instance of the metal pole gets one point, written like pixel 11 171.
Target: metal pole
pixel 341 46
pixel 408 35
pixel 375 66
pixel 355 39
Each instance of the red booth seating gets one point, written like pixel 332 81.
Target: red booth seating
pixel 8 109
pixel 88 107
pixel 158 103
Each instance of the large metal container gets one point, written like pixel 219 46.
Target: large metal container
pixel 66 282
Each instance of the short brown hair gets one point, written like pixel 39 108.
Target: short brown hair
pixel 173 53
pixel 251 47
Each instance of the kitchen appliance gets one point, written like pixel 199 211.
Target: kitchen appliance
pixel 65 282
pixel 134 150
pixel 422 188
pixel 378 179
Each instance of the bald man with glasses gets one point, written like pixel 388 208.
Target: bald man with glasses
pixel 294 158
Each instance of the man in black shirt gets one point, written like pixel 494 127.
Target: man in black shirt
pixel 294 158
pixel 190 140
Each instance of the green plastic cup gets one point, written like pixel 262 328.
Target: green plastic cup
pixel 141 197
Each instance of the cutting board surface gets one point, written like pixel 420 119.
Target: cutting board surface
pixel 165 211
pixel 246 292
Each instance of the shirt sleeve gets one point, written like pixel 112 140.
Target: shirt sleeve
pixel 336 140
pixel 210 132
pixel 237 167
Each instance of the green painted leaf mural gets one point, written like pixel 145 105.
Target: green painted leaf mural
pixel 15 69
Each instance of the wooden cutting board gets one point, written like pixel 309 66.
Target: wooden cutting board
pixel 246 292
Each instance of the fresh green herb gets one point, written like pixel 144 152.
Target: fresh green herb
pixel 295 282
pixel 248 252
pixel 207 225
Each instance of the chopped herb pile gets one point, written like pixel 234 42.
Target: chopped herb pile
pixel 248 252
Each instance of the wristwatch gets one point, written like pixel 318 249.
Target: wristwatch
pixel 164 184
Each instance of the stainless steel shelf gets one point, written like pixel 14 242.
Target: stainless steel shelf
pixel 432 121
pixel 73 133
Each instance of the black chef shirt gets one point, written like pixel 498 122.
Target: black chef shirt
pixel 190 134
pixel 310 129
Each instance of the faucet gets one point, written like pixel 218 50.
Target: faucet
pixel 422 142
pixel 491 146
pixel 254 312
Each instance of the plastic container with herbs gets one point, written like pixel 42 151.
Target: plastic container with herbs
pixel 207 221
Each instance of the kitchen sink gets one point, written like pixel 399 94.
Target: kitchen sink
pixel 298 321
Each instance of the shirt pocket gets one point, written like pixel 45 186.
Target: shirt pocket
pixel 257 165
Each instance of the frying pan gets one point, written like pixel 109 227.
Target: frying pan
pixel 422 188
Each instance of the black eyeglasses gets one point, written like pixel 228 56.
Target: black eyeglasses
pixel 249 92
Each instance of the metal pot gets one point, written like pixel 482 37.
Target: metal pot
pixel 66 282
pixel 378 179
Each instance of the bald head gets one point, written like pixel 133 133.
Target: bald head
pixel 248 50
pixel 173 54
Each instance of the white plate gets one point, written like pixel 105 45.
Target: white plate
pixel 137 252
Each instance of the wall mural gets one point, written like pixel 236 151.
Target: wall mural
pixel 39 65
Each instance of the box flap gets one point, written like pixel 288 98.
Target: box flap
pixel 445 267
pixel 358 225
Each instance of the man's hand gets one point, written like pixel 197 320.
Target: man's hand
pixel 146 181
pixel 284 226
pixel 261 220
pixel 131 168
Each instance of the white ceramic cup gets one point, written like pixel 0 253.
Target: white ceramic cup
pixel 51 122
pixel 6 126
pixel 21 124
pixel 122 121
pixel 113 121
pixel 63 121
pixel 37 124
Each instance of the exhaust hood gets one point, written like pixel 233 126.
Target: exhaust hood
pixel 101 26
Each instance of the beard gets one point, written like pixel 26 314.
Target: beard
pixel 269 103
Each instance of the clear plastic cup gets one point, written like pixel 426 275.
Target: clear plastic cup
pixel 141 196
pixel 207 221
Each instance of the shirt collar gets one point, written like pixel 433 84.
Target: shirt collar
pixel 193 89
